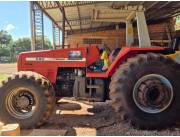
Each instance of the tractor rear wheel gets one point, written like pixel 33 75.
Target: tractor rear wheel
pixel 26 98
pixel 145 91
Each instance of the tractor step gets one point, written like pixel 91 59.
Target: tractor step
pixel 89 89
pixel 93 86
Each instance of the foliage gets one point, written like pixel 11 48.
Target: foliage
pixel 9 49
pixel 3 76
pixel 47 44
pixel 5 38
pixel 22 44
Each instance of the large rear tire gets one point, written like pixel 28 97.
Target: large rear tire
pixel 145 91
pixel 26 98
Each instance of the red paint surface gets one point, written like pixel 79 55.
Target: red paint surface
pixel 123 55
pixel 49 68
pixel 91 53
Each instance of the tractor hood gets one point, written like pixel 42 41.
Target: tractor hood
pixel 71 57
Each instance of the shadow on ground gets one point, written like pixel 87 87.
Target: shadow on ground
pixel 73 118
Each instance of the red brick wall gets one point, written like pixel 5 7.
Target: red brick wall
pixel 109 37
pixel 156 31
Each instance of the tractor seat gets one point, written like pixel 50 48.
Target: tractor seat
pixel 113 54
pixel 111 58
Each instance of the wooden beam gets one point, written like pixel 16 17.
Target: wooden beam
pixel 48 15
pixel 165 4
pixel 112 4
pixel 111 20
pixel 52 5
pixel 79 16
pixel 152 5
pixel 125 9
pixel 142 2
pixel 76 22
pixel 42 40
pixel 176 14
pixel 62 10
pixel 131 16
pixel 161 9
pixel 93 12
pixel 163 13
pixel 77 19
pixel 63 27
pixel 53 32
pixel 32 26
pixel 128 2
pixel 110 27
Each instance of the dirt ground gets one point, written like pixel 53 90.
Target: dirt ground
pixel 77 118
pixel 8 68
pixel 82 118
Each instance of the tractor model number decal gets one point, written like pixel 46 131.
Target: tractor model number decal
pixel 52 59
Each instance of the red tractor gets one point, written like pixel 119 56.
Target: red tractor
pixel 142 82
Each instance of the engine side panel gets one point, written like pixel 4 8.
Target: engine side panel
pixel 47 62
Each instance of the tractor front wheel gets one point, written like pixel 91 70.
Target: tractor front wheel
pixel 26 98
pixel 145 91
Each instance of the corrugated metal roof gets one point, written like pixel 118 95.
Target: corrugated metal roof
pixel 80 14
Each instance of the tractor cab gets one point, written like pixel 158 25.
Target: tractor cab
pixel 133 13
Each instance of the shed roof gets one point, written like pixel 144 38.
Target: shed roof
pixel 89 15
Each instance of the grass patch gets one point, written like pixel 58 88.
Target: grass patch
pixel 3 76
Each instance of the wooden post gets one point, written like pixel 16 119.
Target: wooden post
pixel 53 33
pixel 143 34
pixel 42 19
pixel 63 27
pixel 31 3
pixel 59 34
pixel 129 33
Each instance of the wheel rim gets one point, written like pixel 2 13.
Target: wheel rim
pixel 153 93
pixel 21 103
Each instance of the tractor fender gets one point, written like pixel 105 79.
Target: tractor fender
pixel 128 52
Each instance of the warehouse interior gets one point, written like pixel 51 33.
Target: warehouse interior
pixel 77 23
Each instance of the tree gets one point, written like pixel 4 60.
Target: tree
pixel 9 49
pixel 5 38
pixel 21 45
pixel 6 42
pixel 4 52
pixel 24 44
pixel 47 44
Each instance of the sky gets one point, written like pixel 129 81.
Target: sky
pixel 15 18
